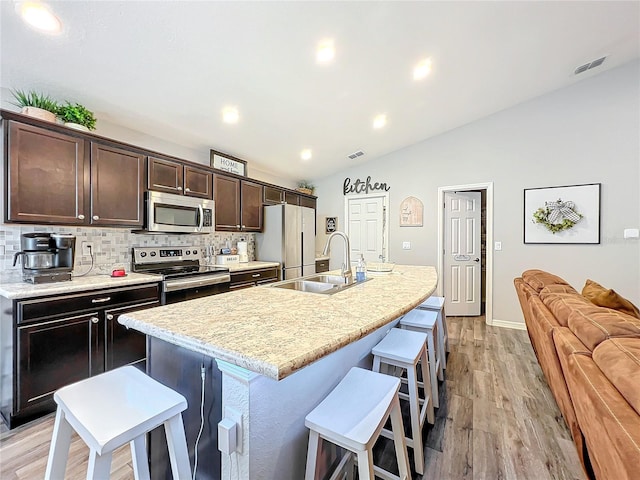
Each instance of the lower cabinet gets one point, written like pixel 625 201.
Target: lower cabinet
pixel 66 338
pixel 322 266
pixel 251 278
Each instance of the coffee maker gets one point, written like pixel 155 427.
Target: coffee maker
pixel 46 257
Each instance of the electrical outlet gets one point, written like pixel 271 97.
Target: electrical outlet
pixel 87 248
pixel 236 416
pixel 406 245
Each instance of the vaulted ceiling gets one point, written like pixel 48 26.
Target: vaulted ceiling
pixel 168 68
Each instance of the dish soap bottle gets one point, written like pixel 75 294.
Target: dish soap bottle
pixel 361 269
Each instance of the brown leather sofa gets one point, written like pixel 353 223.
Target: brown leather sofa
pixel 590 356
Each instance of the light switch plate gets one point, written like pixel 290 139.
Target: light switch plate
pixel 498 246
pixel 631 233
pixel 406 245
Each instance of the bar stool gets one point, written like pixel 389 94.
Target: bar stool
pixel 405 349
pixel 114 408
pixel 351 417
pixel 425 321
pixel 437 304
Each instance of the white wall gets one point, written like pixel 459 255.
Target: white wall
pixel 586 133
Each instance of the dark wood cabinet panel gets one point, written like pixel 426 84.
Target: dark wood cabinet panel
pixel 251 278
pixel 272 195
pixel 322 266
pixel 198 182
pixel 251 207
pixel 117 185
pixel 307 202
pixel 291 198
pixel 54 354
pixel 165 175
pixel 123 345
pixel 46 176
pixel 227 197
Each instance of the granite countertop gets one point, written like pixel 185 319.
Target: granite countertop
pixel 274 331
pixel 240 267
pixel 12 286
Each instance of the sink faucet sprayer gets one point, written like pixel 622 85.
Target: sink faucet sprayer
pixel 346 265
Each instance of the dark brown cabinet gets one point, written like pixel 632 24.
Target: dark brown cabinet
pixel 238 204
pixel 322 266
pixel 251 278
pixel 67 338
pixel 60 179
pixel 117 185
pixel 47 176
pixel 174 177
pixel 272 195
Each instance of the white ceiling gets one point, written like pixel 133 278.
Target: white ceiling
pixel 168 68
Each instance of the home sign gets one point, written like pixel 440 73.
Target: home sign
pixel 360 186
pixel 228 163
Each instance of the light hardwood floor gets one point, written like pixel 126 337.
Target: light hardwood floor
pixel 497 420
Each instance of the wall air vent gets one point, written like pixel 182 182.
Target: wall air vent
pixel 355 155
pixel 590 65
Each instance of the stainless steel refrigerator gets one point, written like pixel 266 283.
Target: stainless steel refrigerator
pixel 288 237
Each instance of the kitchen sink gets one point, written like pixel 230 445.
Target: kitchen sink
pixel 324 284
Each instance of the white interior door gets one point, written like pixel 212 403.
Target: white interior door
pixel 462 265
pixel 366 220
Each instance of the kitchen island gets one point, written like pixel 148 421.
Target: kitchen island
pixel 281 351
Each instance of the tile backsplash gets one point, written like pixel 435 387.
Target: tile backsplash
pixel 112 246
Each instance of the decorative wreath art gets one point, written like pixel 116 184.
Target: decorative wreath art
pixel 557 216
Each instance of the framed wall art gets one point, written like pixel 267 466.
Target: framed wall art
pixel 228 163
pixel 565 214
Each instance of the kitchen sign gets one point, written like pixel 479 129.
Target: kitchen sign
pixel 227 163
pixel 360 186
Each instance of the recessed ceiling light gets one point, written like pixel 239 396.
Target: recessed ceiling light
pixel 325 51
pixel 379 121
pixel 230 115
pixel 422 69
pixel 305 154
pixel 40 16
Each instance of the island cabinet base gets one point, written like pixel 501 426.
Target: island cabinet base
pixel 180 369
pixel 274 438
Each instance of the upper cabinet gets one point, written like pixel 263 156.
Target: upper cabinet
pixel 272 195
pixel 174 177
pixel 56 178
pixel 238 204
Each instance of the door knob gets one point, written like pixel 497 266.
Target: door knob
pixel 96 217
pixel 476 259
pixel 187 189
pixel 109 316
pixel 95 319
pixel 179 188
pixel 80 217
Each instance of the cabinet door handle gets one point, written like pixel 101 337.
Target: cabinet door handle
pixel 244 226
pixel 187 189
pixel 80 217
pixel 109 316
pixel 237 226
pixel 100 300
pixel 96 217
pixel 179 188
pixel 255 275
pixel 95 319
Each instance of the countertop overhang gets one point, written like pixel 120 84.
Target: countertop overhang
pixel 276 332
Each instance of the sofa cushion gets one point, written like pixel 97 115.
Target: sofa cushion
pixel 619 360
pixel 594 326
pixel 608 298
pixel 557 288
pixel 538 279
pixel 562 304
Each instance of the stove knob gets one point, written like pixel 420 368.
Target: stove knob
pixel 188 252
pixel 143 254
pixel 153 254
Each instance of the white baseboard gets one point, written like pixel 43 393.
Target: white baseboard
pixel 508 324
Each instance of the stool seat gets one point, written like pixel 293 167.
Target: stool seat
pixel 351 417
pixel 110 410
pixel 420 319
pixel 437 303
pixel 433 303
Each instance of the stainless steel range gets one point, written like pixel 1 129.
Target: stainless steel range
pixel 185 274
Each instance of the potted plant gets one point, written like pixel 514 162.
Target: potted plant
pixel 36 104
pixel 305 187
pixel 77 116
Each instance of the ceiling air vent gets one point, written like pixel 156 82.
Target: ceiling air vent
pixel 355 155
pixel 589 66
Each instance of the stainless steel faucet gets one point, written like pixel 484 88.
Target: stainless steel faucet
pixel 346 265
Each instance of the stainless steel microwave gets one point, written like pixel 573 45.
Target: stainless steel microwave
pixel 169 213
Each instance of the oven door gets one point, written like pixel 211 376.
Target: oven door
pixel 196 286
pixel 168 213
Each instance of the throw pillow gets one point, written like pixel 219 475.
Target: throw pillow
pixel 608 298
